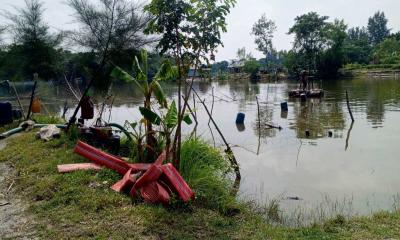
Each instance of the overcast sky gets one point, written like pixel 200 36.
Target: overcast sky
pixel 246 12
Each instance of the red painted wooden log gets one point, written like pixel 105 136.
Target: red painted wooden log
pixel 155 193
pixel 151 175
pixel 126 182
pixel 176 182
pixel 66 168
pixel 161 158
pixel 101 158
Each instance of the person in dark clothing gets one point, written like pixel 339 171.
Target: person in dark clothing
pixel 304 79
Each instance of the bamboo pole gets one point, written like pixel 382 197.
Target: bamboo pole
pixel 19 101
pixel 73 117
pixel 259 126
pixel 31 101
pixel 348 136
pixel 228 150
pixel 348 106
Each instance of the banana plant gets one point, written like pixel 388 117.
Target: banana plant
pixel 148 87
pixel 167 122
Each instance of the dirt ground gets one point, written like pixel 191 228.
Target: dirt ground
pixel 15 222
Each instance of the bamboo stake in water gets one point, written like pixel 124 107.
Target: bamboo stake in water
pixel 19 101
pixel 259 126
pixel 31 101
pixel 348 106
pixel 348 136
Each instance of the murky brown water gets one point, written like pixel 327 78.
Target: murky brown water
pixel 352 172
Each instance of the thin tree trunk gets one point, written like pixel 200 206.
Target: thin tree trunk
pixel 151 141
pixel 228 150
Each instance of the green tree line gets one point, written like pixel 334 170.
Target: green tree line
pixel 110 32
pixel 322 47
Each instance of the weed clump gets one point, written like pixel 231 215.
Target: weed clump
pixel 207 172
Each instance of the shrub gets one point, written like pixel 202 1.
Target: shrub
pixel 207 171
pixel 44 119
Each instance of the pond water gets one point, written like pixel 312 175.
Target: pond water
pixel 353 170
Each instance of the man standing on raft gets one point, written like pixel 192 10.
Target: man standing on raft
pixel 304 79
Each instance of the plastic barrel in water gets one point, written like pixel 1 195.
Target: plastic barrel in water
pixel 284 106
pixel 303 97
pixel 240 118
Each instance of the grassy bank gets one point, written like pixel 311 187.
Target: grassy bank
pixel 82 205
pixel 352 70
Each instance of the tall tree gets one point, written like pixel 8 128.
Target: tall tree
pixel 2 30
pixel 333 57
pixel 377 28
pixel 110 29
pixel 388 51
pixel 310 39
pixel 242 54
pixel 190 32
pixel 396 35
pixel 264 30
pixel 356 46
pixel 318 45
pixel 32 40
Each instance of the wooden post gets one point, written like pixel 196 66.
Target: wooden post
pixel 73 118
pixel 348 106
pixel 259 126
pixel 19 101
pixel 348 136
pixel 30 104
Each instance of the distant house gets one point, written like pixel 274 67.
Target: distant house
pixel 236 66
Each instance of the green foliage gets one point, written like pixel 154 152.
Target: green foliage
pixel 205 170
pixel 264 30
pixel 171 119
pixel 193 27
pixel 34 48
pixel 318 45
pixel 219 68
pixel 243 55
pixel 357 47
pixel 112 30
pixel 252 67
pixel 158 93
pixel 190 31
pixel 187 119
pixel 140 69
pixel 388 52
pixel 333 58
pixel 120 74
pixel 150 115
pixel 377 28
pixel 309 31
pixel 45 119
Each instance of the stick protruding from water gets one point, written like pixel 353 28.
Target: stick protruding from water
pixel 348 106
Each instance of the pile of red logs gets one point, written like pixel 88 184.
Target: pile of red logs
pixel 155 182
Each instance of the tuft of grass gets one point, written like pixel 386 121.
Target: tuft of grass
pixel 273 211
pixel 207 171
pixel 47 119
